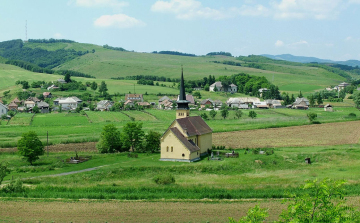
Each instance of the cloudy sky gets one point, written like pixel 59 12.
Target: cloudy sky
pixel 328 29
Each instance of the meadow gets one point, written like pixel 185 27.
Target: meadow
pixel 76 128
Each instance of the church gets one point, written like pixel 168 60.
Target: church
pixel 187 138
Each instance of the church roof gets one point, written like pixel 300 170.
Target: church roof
pixel 194 125
pixel 189 144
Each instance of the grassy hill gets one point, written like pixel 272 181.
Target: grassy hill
pixel 105 64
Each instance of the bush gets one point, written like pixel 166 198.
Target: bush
pixel 353 115
pixel 14 186
pixel 164 179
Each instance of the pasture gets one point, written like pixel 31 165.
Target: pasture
pixel 73 127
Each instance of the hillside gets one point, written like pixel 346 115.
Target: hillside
pixel 106 63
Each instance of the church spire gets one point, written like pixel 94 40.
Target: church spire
pixel 182 96
pixel 182 103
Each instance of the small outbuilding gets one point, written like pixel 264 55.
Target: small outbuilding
pixel 328 108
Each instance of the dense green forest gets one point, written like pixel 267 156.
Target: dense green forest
pixel 51 40
pixel 15 50
pixel 221 53
pixel 114 48
pixel 175 53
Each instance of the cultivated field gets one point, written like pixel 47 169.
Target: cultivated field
pixel 297 136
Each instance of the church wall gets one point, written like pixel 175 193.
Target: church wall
pixel 170 140
pixel 205 142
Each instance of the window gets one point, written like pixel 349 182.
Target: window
pixel 183 155
pixel 167 149
pixel 172 149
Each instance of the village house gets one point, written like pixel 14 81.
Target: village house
pixel 163 99
pixel 68 103
pixel 134 97
pixel 238 102
pixel 206 102
pixel 44 107
pixel 219 87
pixel 167 105
pixel 16 101
pixel 262 90
pixel 328 108
pixel 104 105
pixel 144 104
pixel 129 103
pixel 274 103
pixel 61 81
pixel 57 100
pixel 189 98
pixel 342 86
pixel 47 94
pixel 301 103
pixel 52 87
pixel 261 105
pixel 31 102
pixel 3 109
pixel 13 106
pixel 187 138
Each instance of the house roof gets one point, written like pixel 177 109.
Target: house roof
pixel 189 144
pixel 233 85
pixel 34 99
pixel 299 100
pixel 143 103
pixel 217 84
pixel 133 96
pixel 43 104
pixel 203 102
pixel 47 93
pixel 189 98
pixel 67 100
pixel 327 105
pixel 164 98
pixel 194 125
pixel 1 104
pixel 16 100
pixel 12 104
pixel 128 102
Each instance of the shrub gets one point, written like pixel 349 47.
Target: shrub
pixel 164 179
pixel 14 186
pixel 353 115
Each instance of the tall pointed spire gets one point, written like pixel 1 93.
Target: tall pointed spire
pixel 182 87
pixel 182 102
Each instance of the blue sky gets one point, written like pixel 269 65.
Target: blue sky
pixel 327 29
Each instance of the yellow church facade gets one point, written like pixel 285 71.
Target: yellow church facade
pixel 187 138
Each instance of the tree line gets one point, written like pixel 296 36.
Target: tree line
pixel 51 40
pixel 114 48
pixel 221 53
pixel 228 62
pixel 174 53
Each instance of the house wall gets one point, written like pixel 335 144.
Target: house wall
pixel 3 110
pixel 182 113
pixel 68 105
pixel 29 105
pixel 205 142
pixel 170 140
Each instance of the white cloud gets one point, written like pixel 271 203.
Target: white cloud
pixel 299 9
pixel 58 36
pixel 117 21
pixel 101 3
pixel 279 43
pixel 349 38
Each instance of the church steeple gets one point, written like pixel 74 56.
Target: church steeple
pixel 182 104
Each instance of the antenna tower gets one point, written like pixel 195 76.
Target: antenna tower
pixel 26 31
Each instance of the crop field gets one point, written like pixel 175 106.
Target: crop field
pixel 309 135
pixel 21 119
pixel 59 119
pixel 140 116
pixel 99 117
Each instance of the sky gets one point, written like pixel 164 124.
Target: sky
pixel 327 29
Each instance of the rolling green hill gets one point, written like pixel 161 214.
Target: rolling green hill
pixel 106 63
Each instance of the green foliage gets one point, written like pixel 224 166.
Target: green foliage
pixel 204 116
pixel 164 179
pixel 152 141
pixel 252 114
pixel 113 48
pixel 15 186
pixel 133 135
pixel 213 114
pixel 311 100
pixel 319 99
pixel 238 113
pixel 36 109
pixel 323 202
pixel 30 146
pixel 311 116
pixel 4 170
pixel 110 141
pixel 356 99
pixel 219 53
pixel 103 88
pixel 255 214
pixel 224 113
pixel 353 115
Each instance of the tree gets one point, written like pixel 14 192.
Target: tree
pixel 356 99
pixel 312 116
pixel 110 141
pixel 319 99
pixel 323 202
pixel 224 113
pixel 103 88
pixel 213 114
pixel 238 113
pixel 342 93
pixel 252 114
pixel 93 86
pixel 215 89
pixel 67 78
pixel 4 170
pixel 30 146
pixel 300 95
pixel 292 99
pixel 255 214
pixel 311 100
pixel 152 141
pixel 36 109
pixel 204 116
pixel 132 135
